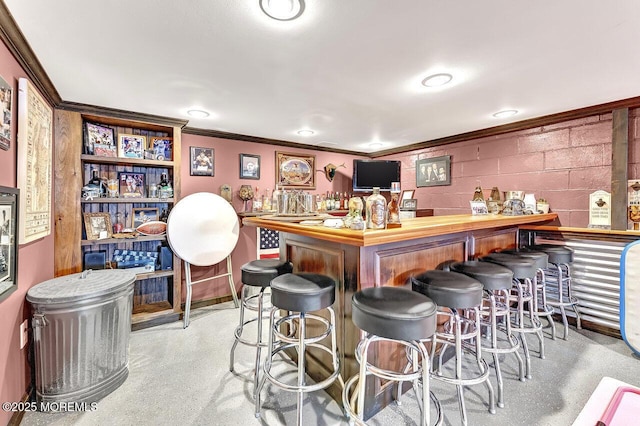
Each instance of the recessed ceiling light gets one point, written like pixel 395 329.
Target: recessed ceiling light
pixel 436 80
pixel 282 10
pixel 198 113
pixel 506 113
pixel 306 132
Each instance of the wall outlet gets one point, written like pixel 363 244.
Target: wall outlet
pixel 24 333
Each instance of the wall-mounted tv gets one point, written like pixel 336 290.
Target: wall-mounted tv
pixel 370 173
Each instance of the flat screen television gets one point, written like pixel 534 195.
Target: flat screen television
pixel 370 173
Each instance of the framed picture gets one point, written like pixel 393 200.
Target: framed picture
pixel 95 223
pixel 99 140
pixel 433 171
pixel 6 99
pixel 131 184
pixel 131 146
pixel 202 161
pixel 143 215
pixel 249 166
pixel 407 194
pixel 409 204
pixel 8 241
pixel 35 148
pixel 295 170
pixel 160 148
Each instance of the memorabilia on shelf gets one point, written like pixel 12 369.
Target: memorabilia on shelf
pixel 494 202
pixel 142 215
pixel 131 184
pixel 154 227
pixel 393 208
pixel 542 205
pixel 478 207
pixel 201 161
pixel 409 204
pixel 35 147
pixel 295 171
pixel 246 194
pixel 6 99
pixel 98 226
pixel 165 190
pixel 376 207
pixel 249 166
pixel 131 146
pixel 633 195
pixel 160 148
pixel 600 210
pixel 99 140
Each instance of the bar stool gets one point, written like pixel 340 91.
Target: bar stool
pixel 256 274
pixel 523 292
pixel 401 316
pixel 559 282
pixel 300 294
pixel 541 307
pixel 452 292
pixel 497 281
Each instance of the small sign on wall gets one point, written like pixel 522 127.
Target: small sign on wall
pixel 600 210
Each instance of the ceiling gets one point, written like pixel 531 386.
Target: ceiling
pixel 350 70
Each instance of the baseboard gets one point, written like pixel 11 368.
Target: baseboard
pixel 17 416
pixel 208 302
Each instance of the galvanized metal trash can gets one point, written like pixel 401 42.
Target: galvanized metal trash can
pixel 81 324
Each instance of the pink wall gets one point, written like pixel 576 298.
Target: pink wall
pixel 563 163
pixel 35 265
pixel 227 171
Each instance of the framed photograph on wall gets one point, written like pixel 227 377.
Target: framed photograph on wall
pixel 131 184
pixel 131 146
pixel 202 161
pixel 249 166
pixel 295 170
pixel 8 241
pixel 433 171
pixel 99 140
pixel 6 99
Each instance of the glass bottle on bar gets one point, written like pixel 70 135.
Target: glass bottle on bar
pixel 393 219
pixel 376 206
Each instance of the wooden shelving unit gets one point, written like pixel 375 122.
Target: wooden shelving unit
pixel 157 294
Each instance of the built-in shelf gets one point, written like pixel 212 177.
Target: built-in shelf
pixel 127 200
pixel 139 238
pixel 87 158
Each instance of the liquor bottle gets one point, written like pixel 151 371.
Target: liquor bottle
pixel 376 207
pixel 394 210
pixel 345 202
pixel 95 178
pixel 257 201
pixel 266 200
pixel 275 198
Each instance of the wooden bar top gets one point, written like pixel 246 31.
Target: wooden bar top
pixel 411 228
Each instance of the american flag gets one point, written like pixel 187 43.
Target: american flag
pixel 268 245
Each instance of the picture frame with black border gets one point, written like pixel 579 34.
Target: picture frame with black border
pixel 99 140
pixel 201 161
pixel 160 148
pixel 409 204
pixel 9 205
pixel 6 103
pixel 435 171
pixel 249 166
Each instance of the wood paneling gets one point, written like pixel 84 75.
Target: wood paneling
pixel 68 178
pixel 485 243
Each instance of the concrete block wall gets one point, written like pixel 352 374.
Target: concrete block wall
pixel 563 163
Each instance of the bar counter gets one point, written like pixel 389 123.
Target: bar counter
pixel 386 257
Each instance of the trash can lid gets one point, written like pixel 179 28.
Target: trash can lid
pixel 80 286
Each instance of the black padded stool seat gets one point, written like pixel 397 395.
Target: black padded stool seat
pixel 557 254
pixel 259 273
pixel 520 266
pixel 449 289
pixel 303 292
pixel 491 275
pixel 540 257
pixel 394 313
